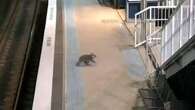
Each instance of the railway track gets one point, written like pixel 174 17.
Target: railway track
pixel 26 95
pixel 19 54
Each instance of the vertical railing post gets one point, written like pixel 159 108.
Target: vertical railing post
pixel 150 24
pixel 127 11
pixel 191 18
pixel 181 23
pixel 166 39
pixel 162 47
pixel 172 36
pixel 143 20
pixel 135 40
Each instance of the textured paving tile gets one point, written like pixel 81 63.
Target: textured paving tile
pixel 74 83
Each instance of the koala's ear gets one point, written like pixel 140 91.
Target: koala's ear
pixel 94 55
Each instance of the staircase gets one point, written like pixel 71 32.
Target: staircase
pixel 151 99
pixel 157 92
pixel 173 37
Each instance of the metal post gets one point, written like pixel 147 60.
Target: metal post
pixel 181 30
pixel 150 24
pixel 127 11
pixel 165 48
pixel 135 40
pixel 191 17
pixel 172 38
pixel 143 22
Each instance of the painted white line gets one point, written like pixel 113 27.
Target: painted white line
pixel 43 90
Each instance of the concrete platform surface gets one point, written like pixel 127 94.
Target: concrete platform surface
pixel 111 83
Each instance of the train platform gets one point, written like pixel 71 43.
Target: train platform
pixel 84 26
pixel 41 42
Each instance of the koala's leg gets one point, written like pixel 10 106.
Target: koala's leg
pixel 86 62
pixel 92 60
pixel 79 62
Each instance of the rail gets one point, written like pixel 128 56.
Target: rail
pixel 153 17
pixel 178 30
pixel 27 54
pixel 17 35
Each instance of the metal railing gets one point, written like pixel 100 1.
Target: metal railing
pixel 153 17
pixel 178 30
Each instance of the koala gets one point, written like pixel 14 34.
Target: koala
pixel 86 59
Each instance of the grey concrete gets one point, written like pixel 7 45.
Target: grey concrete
pixel 74 83
pixel 135 64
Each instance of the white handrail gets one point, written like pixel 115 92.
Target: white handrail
pixel 154 18
pixel 154 7
pixel 177 32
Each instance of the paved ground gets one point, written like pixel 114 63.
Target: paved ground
pixel 130 25
pixel 111 83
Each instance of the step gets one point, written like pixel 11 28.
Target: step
pixel 148 94
pixel 151 99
